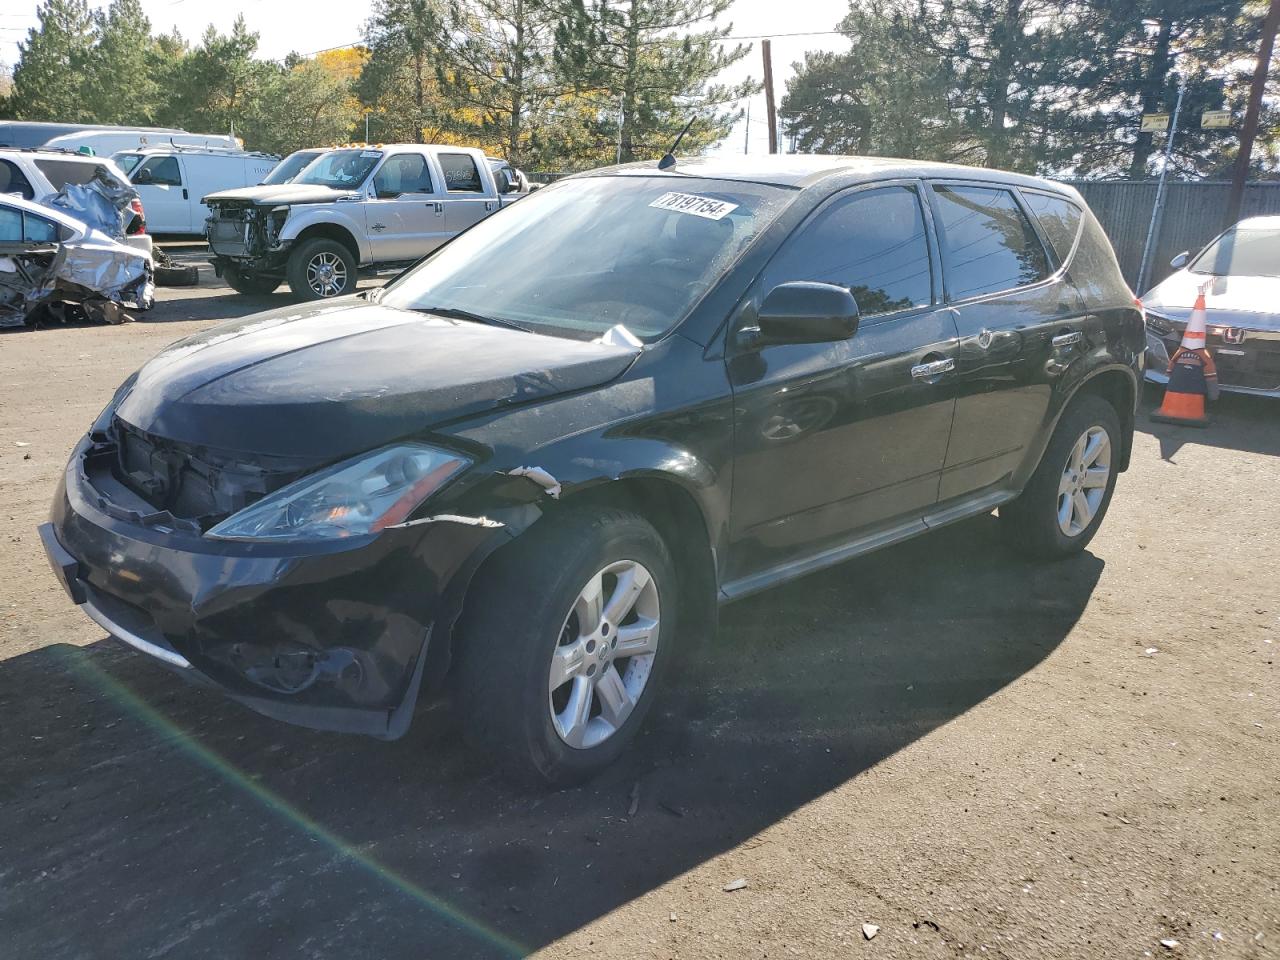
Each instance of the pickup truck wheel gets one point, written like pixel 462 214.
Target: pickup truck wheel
pixel 565 638
pixel 1063 504
pixel 250 284
pixel 319 269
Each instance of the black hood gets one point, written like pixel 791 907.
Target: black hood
pixel 326 380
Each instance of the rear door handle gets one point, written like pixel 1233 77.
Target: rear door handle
pixel 927 371
pixel 1068 339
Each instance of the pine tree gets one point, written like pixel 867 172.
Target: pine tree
pixel 882 97
pixel 399 83
pixel 49 80
pixel 120 84
pixel 496 64
pixel 1127 58
pixel 648 66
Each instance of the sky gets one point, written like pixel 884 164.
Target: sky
pixel 293 25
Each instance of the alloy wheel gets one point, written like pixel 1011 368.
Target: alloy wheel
pixel 326 274
pixel 1084 481
pixel 604 655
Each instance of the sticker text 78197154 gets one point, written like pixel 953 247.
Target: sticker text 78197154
pixel 706 207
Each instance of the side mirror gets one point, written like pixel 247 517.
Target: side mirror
pixel 1180 260
pixel 142 176
pixel 806 312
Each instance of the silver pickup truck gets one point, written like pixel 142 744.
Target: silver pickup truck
pixel 352 210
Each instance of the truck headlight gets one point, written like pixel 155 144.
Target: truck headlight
pixel 357 497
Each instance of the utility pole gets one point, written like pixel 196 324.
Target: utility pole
pixel 366 126
pixel 1157 211
pixel 1250 129
pixel 768 94
pixel 746 136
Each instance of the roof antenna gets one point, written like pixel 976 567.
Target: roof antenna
pixel 669 159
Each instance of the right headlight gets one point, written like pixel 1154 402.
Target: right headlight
pixel 359 496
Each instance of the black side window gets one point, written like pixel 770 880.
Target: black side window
pixel 406 173
pixel 10 224
pixel 1059 218
pixel 460 173
pixel 164 171
pixel 62 172
pixel 872 242
pixel 987 243
pixel 38 229
pixel 13 180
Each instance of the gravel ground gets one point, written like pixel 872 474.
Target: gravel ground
pixel 981 757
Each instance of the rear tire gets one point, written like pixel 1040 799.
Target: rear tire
pixel 1062 506
pixel 321 269
pixel 543 681
pixel 249 284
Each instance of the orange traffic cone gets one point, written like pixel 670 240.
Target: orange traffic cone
pixel 1192 375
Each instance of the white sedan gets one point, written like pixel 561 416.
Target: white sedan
pixel 1240 271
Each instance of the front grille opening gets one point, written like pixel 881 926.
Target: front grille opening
pixel 191 483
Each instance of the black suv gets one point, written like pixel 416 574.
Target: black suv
pixel 531 468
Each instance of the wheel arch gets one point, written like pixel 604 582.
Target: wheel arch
pixel 662 500
pixel 1119 387
pixel 326 230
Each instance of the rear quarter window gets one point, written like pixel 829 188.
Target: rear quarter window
pixel 62 172
pixel 1059 218
pixel 13 180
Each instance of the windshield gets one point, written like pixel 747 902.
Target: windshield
pixel 127 161
pixel 585 255
pixel 288 168
pixel 341 169
pixel 1241 253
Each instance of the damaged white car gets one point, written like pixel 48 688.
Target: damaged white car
pixel 56 267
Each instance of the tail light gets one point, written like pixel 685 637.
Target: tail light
pixel 138 225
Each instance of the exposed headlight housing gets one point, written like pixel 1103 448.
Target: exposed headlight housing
pixel 354 498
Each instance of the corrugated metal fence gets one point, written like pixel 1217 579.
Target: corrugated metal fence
pixel 1192 216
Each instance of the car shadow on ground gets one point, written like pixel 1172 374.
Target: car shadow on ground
pixel 147 818
pixel 1236 422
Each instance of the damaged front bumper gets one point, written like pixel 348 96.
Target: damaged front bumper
pixel 248 236
pixel 337 636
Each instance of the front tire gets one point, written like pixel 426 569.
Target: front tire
pixel 1062 506
pixel 566 636
pixel 320 269
pixel 249 284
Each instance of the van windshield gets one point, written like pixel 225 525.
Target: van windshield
pixel 341 169
pixel 585 255
pixel 127 161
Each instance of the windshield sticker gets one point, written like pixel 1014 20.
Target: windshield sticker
pixel 704 207
pixel 370 153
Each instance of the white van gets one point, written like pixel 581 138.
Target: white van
pixel 105 142
pixel 172 180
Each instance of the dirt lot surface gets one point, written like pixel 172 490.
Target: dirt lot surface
pixel 980 757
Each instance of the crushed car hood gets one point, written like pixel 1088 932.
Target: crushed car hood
pixel 330 379
pixel 279 193
pixel 1252 302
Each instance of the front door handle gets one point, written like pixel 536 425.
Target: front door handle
pixel 1068 339
pixel 927 371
